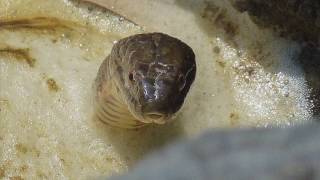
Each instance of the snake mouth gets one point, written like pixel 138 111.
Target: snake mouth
pixel 156 118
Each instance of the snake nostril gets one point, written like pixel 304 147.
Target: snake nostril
pixel 131 76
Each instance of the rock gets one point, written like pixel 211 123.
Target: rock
pixel 297 19
pixel 264 154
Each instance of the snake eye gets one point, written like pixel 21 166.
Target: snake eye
pixel 131 76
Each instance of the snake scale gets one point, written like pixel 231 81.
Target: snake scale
pixel 145 79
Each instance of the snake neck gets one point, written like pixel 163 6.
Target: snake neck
pixel 110 106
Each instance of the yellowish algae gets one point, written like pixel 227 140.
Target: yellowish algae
pixel 246 78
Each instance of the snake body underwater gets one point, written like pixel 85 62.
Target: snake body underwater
pixel 145 79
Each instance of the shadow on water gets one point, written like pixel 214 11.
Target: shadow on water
pixel 310 61
pixel 132 145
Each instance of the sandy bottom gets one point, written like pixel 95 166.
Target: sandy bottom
pixel 49 55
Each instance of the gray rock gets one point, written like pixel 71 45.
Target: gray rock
pixel 264 154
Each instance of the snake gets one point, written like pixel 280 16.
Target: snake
pixel 144 80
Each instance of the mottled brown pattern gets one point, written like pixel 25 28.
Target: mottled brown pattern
pixel 52 85
pixel 34 23
pixel 18 54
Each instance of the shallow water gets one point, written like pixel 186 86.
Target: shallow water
pixel 49 55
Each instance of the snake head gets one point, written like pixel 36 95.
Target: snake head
pixel 160 70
